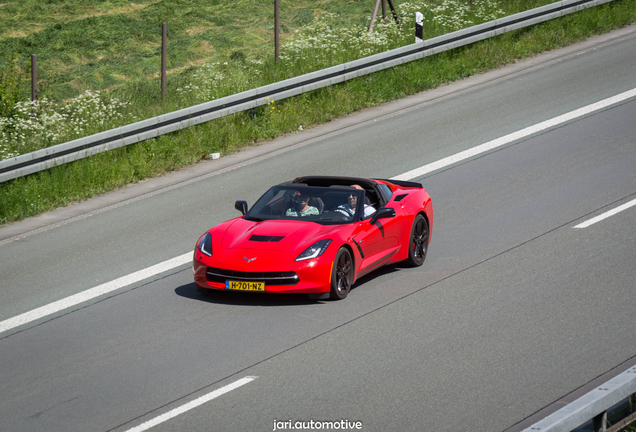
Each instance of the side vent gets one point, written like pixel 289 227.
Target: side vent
pixel 400 197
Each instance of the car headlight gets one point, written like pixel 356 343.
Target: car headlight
pixel 205 244
pixel 314 251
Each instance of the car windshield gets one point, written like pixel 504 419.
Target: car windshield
pixel 324 205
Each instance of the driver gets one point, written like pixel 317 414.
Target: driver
pixel 302 207
pixel 349 209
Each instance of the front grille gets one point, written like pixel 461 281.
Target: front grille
pixel 270 278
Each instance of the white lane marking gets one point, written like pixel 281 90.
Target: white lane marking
pixel 606 215
pixel 442 163
pixel 418 172
pixel 190 405
pixel 97 291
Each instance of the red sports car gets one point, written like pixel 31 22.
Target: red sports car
pixel 316 235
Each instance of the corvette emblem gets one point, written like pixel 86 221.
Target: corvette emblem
pixel 249 260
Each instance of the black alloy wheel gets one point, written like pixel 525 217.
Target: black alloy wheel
pixel 341 275
pixel 418 244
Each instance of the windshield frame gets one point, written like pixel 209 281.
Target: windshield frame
pixel 273 204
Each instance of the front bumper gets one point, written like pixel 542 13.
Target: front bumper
pixel 309 276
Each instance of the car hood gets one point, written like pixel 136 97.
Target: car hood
pixel 287 235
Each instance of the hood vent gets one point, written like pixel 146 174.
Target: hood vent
pixel 271 239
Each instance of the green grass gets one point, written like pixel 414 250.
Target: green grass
pixel 630 428
pixel 133 83
pixel 94 45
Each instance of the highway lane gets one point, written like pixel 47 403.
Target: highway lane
pixel 461 320
pixel 108 363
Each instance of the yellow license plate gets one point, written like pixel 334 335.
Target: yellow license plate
pixel 244 286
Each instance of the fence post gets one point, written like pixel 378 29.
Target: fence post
pixel 419 21
pixel 276 48
pixel 163 61
pixel 34 78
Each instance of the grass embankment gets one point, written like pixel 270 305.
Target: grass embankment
pixel 630 428
pixel 321 42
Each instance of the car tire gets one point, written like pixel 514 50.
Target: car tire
pixel 418 242
pixel 341 274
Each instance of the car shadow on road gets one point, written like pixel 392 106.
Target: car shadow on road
pixel 382 271
pixel 272 299
pixel 245 298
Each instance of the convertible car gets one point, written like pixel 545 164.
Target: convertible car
pixel 316 235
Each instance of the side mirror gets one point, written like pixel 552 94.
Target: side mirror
pixel 382 213
pixel 241 206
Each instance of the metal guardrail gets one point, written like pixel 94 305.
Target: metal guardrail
pixel 130 134
pixel 592 406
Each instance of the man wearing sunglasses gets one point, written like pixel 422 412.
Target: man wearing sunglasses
pixel 349 209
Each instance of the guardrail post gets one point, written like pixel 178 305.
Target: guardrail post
pixel 164 37
pixel 599 423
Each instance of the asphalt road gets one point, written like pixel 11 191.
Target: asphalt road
pixel 513 310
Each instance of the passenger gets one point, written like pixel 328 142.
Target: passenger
pixel 302 207
pixel 349 209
